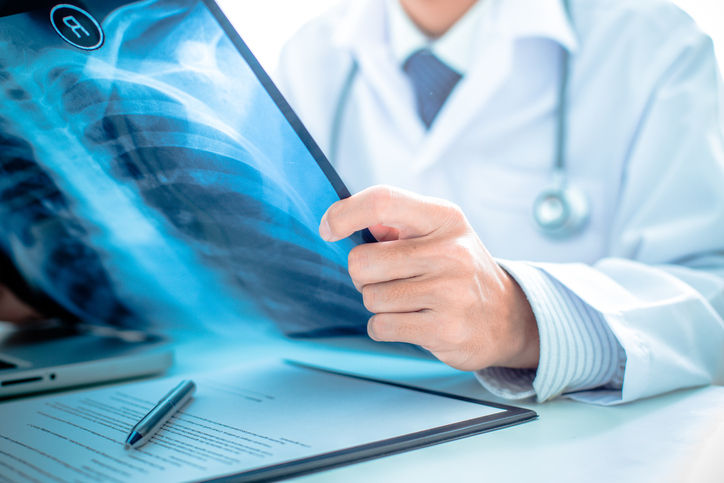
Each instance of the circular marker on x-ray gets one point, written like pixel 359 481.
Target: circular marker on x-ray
pixel 77 27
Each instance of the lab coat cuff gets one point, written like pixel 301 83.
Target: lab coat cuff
pixel 578 350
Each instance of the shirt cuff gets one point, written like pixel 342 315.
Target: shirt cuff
pixel 578 350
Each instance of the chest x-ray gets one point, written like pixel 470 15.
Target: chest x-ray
pixel 147 175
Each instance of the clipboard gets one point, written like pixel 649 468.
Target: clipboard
pixel 267 420
pixel 510 416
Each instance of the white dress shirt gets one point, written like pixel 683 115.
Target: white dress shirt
pixel 633 305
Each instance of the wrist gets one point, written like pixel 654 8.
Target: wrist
pixel 523 338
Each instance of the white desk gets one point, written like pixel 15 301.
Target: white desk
pixel 656 440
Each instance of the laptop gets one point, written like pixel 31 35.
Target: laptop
pixel 54 355
pixel 59 353
pixel 152 176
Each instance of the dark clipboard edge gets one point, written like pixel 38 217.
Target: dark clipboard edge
pixel 364 236
pixel 511 416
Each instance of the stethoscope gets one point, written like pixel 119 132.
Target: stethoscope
pixel 560 210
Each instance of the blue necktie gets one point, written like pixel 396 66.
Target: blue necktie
pixel 432 80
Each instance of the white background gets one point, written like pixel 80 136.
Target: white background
pixel 266 25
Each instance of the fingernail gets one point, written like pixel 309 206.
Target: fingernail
pixel 324 231
pixel 370 329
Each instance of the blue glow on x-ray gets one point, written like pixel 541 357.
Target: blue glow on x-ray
pixel 154 180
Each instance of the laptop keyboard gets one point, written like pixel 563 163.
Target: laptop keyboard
pixel 6 365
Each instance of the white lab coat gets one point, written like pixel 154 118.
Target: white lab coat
pixel 645 142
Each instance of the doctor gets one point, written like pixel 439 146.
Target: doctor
pixel 557 218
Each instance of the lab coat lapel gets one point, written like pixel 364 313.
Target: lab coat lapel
pixel 485 77
pixel 502 25
pixel 364 33
pixel 388 82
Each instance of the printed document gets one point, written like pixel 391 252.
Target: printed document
pixel 252 417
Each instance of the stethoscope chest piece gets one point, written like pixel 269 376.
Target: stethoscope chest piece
pixel 561 211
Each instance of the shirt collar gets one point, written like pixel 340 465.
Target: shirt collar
pixel 455 48
pixel 384 22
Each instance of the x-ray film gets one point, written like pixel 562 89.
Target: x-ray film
pixel 151 174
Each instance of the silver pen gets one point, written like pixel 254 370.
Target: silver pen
pixel 162 412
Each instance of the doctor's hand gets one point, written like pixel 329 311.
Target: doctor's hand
pixel 12 309
pixel 430 281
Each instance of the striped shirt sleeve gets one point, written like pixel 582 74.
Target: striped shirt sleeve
pixel 578 351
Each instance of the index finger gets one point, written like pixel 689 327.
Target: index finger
pixel 413 215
